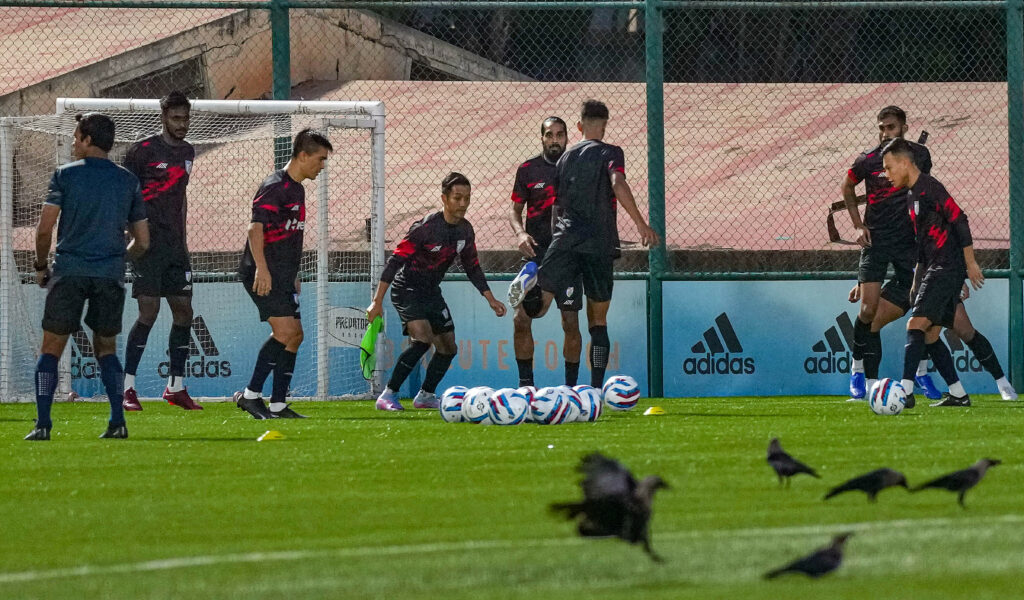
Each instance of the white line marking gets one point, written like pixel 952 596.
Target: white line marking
pixel 372 551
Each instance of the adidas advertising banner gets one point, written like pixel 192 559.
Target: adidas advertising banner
pixel 771 338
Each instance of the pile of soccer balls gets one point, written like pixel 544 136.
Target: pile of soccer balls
pixel 544 406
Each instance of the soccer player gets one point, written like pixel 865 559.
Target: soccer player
pixel 590 180
pixel 416 268
pixel 534 190
pixel 886 236
pixel 945 257
pixel 96 201
pixel 163 163
pixel 270 272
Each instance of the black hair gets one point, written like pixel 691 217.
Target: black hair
pixel 453 179
pixel 898 147
pixel 550 121
pixel 98 127
pixel 310 141
pixel 593 109
pixel 893 111
pixel 174 99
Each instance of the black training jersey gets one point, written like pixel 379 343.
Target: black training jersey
pixel 428 250
pixel 163 171
pixel 942 228
pixel 535 187
pixel 585 199
pixel 280 204
pixel 886 213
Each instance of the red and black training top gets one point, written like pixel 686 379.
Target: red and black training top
pixel 941 225
pixel 585 198
pixel 535 187
pixel 280 204
pixel 163 171
pixel 428 250
pixel 886 213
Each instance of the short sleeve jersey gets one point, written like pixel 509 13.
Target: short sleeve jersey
pixel 942 227
pixel 535 187
pixel 585 199
pixel 425 254
pixel 280 204
pixel 163 171
pixel 97 201
pixel 886 213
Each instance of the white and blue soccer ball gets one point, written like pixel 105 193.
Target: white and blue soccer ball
pixel 507 406
pixel 451 404
pixel 475 406
pixel 621 392
pixel 592 402
pixel 548 406
pixel 574 402
pixel 887 397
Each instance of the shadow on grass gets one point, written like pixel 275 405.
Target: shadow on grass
pixel 196 439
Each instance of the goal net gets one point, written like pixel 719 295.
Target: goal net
pixel 238 144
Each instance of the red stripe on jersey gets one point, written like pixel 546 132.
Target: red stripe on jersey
pixel 269 207
pixel 405 249
pixel 517 198
pixel 952 208
pixel 851 176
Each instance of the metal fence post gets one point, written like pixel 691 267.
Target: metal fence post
pixel 1015 107
pixel 281 61
pixel 653 21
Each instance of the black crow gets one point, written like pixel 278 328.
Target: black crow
pixel 818 563
pixel 785 465
pixel 961 481
pixel 870 483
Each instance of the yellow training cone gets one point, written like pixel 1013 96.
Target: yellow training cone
pixel 270 436
pixel 654 410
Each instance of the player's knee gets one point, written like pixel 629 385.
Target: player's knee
pixel 104 345
pixel 297 336
pixel 446 346
pixel 148 311
pixel 521 320
pixel 867 313
pixel 570 322
pixel 182 314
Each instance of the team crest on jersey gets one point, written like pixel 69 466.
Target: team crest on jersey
pixel 188 167
pixel 569 291
pixel 460 245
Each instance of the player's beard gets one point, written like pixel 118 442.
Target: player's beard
pixel 553 153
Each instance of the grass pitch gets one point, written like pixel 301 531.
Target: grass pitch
pixel 361 504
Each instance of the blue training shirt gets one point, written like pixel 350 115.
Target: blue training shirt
pixel 97 200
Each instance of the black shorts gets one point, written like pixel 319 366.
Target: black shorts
pixel 417 305
pixel 533 302
pixel 564 272
pixel 282 301
pixel 938 297
pixel 162 271
pixel 874 264
pixel 67 296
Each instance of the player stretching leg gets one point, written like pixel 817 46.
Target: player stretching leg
pixel 534 189
pixel 945 253
pixel 163 164
pixel 589 178
pixel 886 235
pixel 416 268
pixel 270 272
pixel 96 201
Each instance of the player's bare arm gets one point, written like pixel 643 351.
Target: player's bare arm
pixel 624 195
pixel 849 189
pixel 261 284
pixel 526 241
pixel 139 230
pixel 44 238
pixel 973 269
pixel 376 307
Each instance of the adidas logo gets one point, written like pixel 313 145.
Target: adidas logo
pixel 203 346
pixel 963 360
pixel 719 359
pixel 832 354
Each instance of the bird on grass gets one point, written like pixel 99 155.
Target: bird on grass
pixel 871 483
pixel 961 481
pixel 785 465
pixel 614 503
pixel 817 563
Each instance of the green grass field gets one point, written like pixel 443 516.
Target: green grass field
pixel 360 504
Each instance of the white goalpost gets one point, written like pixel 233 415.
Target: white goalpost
pixel 238 144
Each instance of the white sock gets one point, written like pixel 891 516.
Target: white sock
pixel 908 386
pixel 129 381
pixel 250 395
pixel 175 383
pixel 278 406
pixel 1001 383
pixel 858 365
pixel 957 389
pixel 870 384
pixel 922 369
pixel 388 390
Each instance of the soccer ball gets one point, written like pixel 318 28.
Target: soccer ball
pixel 507 406
pixel 621 392
pixel 548 406
pixel 451 404
pixel 592 402
pixel 574 403
pixel 475 405
pixel 887 397
pixel 528 392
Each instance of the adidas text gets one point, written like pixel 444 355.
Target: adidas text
pixel 725 364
